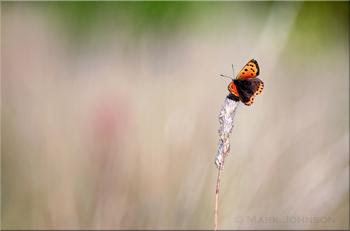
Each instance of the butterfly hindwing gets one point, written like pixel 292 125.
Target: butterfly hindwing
pixel 250 70
pixel 232 89
pixel 248 89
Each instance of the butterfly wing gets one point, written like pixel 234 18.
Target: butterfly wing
pixel 248 89
pixel 250 70
pixel 232 89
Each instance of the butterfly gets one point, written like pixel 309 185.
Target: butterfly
pixel 246 85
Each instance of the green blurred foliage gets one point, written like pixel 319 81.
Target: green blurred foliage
pixel 319 26
pixel 79 17
pixel 315 21
pixel 314 27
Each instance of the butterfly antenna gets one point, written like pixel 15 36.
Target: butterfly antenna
pixel 225 76
pixel 233 70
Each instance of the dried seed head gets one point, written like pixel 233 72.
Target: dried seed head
pixel 226 117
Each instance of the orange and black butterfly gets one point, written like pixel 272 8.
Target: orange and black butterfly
pixel 246 85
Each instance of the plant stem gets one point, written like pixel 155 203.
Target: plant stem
pixel 217 199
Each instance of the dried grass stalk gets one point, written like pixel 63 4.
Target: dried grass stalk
pixel 226 120
pixel 226 117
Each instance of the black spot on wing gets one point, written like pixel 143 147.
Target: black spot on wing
pixel 257 66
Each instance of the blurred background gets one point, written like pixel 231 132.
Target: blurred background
pixel 109 115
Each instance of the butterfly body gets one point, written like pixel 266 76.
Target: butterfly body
pixel 246 85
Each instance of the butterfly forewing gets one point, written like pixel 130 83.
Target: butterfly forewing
pixel 250 70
